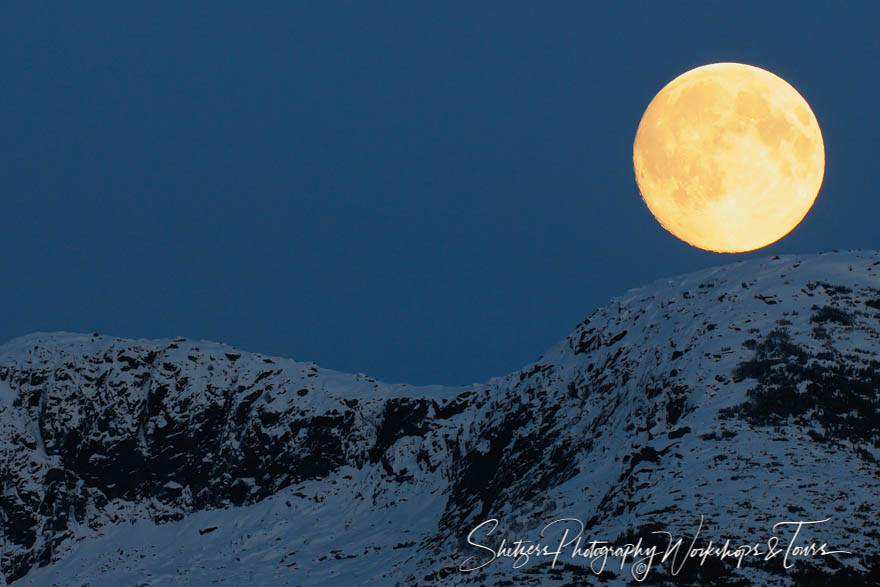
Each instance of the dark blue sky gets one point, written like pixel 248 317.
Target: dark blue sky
pixel 425 192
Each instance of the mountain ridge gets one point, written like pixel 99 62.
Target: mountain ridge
pixel 659 405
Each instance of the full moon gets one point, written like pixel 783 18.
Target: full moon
pixel 729 157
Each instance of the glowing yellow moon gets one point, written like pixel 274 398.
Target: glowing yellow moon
pixel 729 157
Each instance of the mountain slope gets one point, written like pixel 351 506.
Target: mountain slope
pixel 746 394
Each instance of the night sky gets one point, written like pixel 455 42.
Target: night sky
pixel 424 192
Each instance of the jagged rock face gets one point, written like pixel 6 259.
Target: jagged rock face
pixel 174 427
pixel 743 393
pixel 707 394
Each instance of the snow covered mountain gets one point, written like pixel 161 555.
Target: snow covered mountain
pixel 744 396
